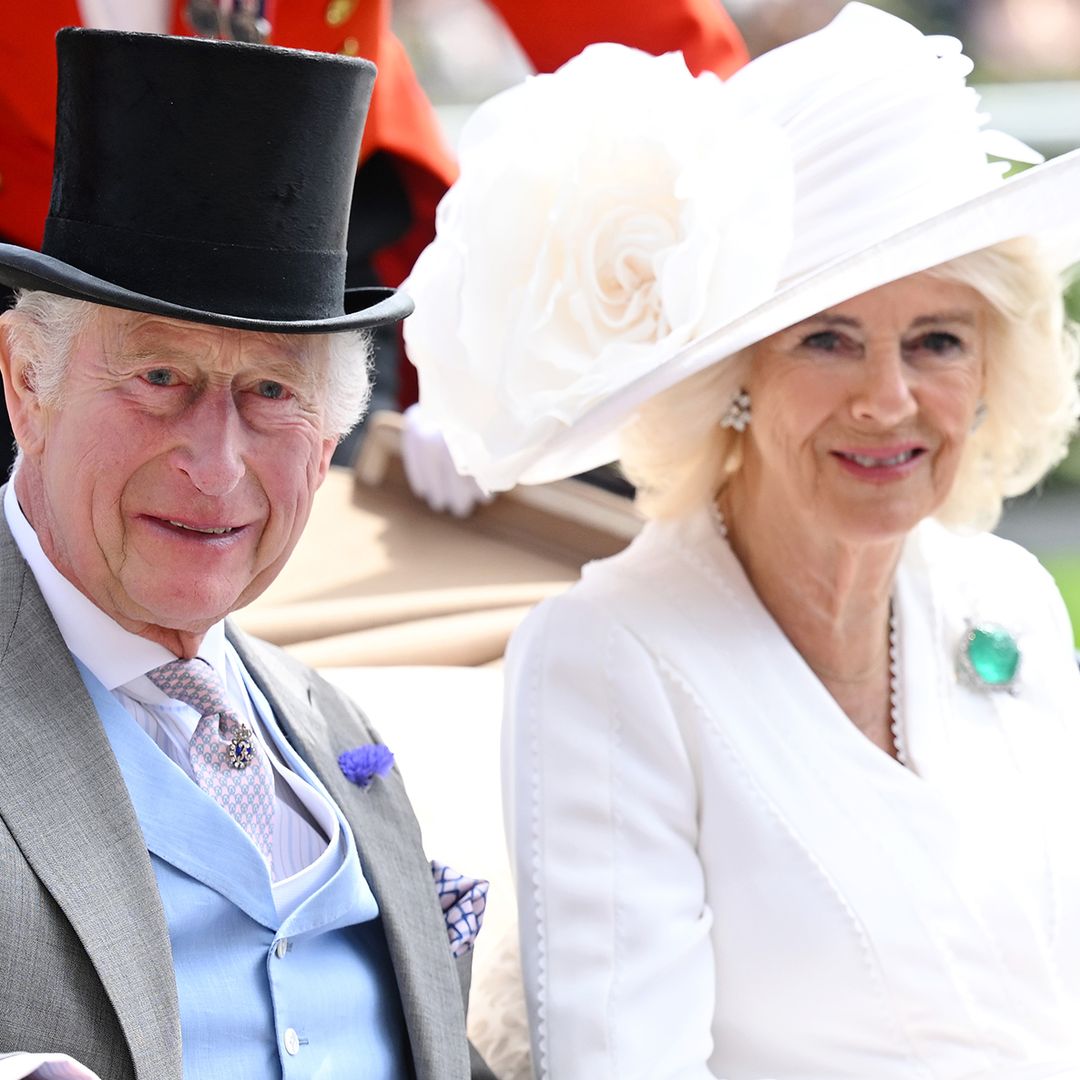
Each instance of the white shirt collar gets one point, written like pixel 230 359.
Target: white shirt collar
pixel 114 655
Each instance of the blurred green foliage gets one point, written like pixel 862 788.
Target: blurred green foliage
pixel 1068 472
pixel 1066 572
pixel 1065 567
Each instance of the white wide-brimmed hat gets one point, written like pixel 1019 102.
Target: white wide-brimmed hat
pixel 620 225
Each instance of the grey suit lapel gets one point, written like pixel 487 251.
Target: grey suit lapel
pixel 388 837
pixel 65 802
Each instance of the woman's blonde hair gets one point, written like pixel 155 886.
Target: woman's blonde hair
pixel 678 455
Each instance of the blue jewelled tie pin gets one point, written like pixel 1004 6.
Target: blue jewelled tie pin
pixel 988 658
pixel 241 749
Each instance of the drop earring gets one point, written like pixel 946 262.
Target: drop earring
pixel 737 414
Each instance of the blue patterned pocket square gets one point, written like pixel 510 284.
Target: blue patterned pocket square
pixel 463 902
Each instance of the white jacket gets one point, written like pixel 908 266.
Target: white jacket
pixel 720 876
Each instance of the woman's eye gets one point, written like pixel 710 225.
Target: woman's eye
pixel 270 389
pixel 939 341
pixel 828 340
pixel 160 377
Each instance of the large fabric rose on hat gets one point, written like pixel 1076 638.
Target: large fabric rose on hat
pixel 606 215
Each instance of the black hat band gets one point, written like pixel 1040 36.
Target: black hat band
pixel 255 283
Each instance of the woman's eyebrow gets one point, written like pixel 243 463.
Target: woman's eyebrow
pixel 824 318
pixel 964 317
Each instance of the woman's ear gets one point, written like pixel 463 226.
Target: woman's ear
pixel 23 404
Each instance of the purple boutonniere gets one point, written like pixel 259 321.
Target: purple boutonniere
pixel 364 763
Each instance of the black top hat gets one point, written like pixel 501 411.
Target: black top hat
pixel 205 180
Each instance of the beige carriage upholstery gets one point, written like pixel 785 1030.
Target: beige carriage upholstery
pixel 409 612
pixel 379 579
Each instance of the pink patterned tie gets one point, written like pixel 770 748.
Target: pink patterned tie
pixel 224 754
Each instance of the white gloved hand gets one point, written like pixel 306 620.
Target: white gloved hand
pixel 430 469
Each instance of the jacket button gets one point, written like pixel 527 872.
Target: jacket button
pixel 349 47
pixel 292 1041
pixel 339 11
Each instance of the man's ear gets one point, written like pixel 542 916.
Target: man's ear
pixel 328 448
pixel 23 405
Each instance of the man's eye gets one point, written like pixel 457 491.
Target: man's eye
pixel 270 389
pixel 160 377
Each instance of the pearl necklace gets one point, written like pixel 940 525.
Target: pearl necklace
pixel 896 726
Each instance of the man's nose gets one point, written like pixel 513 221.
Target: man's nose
pixel 210 450
pixel 883 391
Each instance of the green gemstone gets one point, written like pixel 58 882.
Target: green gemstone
pixel 993 654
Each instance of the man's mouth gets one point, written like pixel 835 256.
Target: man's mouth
pixel 206 530
pixel 870 461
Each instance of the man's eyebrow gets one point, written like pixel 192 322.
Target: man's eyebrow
pixel 158 345
pixel 151 351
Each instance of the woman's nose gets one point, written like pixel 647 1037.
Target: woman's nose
pixel 883 392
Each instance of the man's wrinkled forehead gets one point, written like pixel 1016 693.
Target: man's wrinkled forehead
pixel 147 333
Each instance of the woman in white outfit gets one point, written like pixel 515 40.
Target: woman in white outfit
pixel 791 781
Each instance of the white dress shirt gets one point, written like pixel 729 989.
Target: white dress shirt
pixel 305 840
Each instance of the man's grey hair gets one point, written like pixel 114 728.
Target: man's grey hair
pixel 44 328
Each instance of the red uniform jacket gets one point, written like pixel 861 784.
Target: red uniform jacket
pixel 401 121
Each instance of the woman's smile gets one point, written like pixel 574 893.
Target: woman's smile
pixel 881 465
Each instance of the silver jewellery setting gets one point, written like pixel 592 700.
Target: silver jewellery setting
pixel 737 414
pixel 988 658
pixel 241 748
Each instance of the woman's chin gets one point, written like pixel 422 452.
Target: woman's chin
pixel 870 523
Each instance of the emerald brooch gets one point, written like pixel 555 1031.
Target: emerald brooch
pixel 988 658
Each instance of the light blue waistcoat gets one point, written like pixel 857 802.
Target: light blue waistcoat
pixel 313 996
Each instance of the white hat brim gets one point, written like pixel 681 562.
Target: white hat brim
pixel 1042 202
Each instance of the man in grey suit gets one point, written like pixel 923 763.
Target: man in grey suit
pixel 208 867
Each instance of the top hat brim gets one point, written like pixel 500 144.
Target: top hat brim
pixel 24 268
